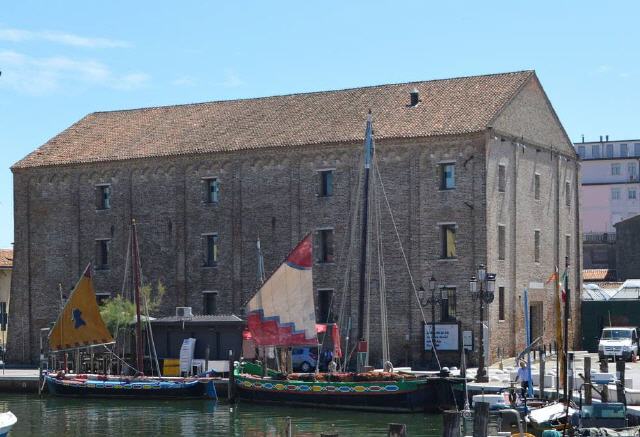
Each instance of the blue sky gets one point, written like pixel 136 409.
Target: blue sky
pixel 62 60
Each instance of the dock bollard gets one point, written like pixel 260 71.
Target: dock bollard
pixel 450 423
pixel 397 430
pixel 288 431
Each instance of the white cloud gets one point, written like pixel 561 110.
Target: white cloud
pixel 44 75
pixel 19 35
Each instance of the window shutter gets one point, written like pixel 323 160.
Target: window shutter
pixel 203 187
pixel 216 190
pixel 98 195
pixel 204 250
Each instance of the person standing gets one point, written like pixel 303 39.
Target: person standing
pixel 523 377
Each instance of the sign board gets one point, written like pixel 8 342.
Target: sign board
pixel 536 286
pixel 467 340
pixel 186 354
pixel 446 337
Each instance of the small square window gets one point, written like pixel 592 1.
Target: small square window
pixel 609 150
pixel 326 183
pixel 448 243
pixel 595 151
pixel 209 302
pixel 632 193
pixel 209 250
pixel 582 152
pixel 536 186
pixel 615 194
pixel 501 242
pixel 536 246
pixel 615 169
pixel 211 190
pixel 449 303
pixel 632 171
pixel 447 176
pixel 102 254
pixel 103 196
pixel 636 149
pixel 502 178
pixel 624 150
pixel 325 246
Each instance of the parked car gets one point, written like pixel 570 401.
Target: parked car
pixel 304 359
pixel 619 342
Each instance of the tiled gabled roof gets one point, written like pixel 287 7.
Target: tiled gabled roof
pixel 598 275
pixel 6 258
pixel 448 106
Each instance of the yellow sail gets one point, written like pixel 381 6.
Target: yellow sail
pixel 80 324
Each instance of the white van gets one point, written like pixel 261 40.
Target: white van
pixel 618 342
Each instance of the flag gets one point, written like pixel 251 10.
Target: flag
pixel 563 289
pixel 553 277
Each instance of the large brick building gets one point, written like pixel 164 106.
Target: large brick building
pixel 477 170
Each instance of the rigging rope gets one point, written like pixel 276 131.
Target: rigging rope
pixel 381 273
pixel 406 262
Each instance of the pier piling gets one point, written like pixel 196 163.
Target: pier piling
pixel 480 419
pixel 397 430
pixel 450 423
pixel 620 369
pixel 587 380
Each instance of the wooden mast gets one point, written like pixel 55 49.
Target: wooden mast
pixel 136 285
pixel 368 153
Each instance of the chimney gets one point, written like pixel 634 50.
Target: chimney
pixel 583 138
pixel 607 138
pixel 600 138
pixel 414 96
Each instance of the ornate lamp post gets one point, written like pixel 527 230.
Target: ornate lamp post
pixel 485 294
pixel 433 301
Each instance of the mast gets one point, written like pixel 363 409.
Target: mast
pixel 368 153
pixel 136 285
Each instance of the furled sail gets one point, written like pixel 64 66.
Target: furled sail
pixel 80 324
pixel 282 313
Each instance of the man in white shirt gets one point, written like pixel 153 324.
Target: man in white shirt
pixel 523 377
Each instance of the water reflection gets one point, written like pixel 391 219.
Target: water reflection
pixel 92 417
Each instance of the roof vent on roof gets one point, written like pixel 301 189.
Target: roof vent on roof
pixel 414 96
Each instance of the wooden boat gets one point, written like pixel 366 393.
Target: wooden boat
pixel 371 391
pixel 80 325
pixel 7 420
pixel 136 388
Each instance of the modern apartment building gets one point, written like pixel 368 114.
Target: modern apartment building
pixel 610 193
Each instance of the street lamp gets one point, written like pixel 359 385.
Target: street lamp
pixel 482 288
pixel 433 301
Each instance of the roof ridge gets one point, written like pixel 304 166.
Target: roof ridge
pixel 309 93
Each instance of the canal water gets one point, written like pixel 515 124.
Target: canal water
pixel 49 416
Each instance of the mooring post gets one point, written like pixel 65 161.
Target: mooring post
pixel 288 430
pixel 620 367
pixel 480 419
pixel 543 359
pixel 587 380
pixel 604 368
pixel 231 387
pixel 397 430
pixel 451 423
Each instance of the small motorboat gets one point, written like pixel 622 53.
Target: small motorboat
pixel 7 420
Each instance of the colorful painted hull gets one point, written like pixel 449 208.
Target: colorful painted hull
pixel 145 389
pixel 410 395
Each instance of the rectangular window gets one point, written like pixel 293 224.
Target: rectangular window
pixel 502 178
pixel 582 152
pixel 324 306
pixel 536 246
pixel 211 190
pixel 567 245
pixel 631 193
pixel 501 303
pixel 595 151
pixel 449 303
pixel 632 171
pixel 209 302
pixel 615 194
pixel 624 150
pixel 501 242
pixel 103 196
pixel 609 150
pixel 209 250
pixel 102 254
pixel 615 169
pixel 326 183
pixel 636 149
pixel 448 243
pixel 325 246
pixel 447 176
pixel 536 186
pixel 567 193
pixel 101 298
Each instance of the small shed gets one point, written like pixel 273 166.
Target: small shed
pixel 220 333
